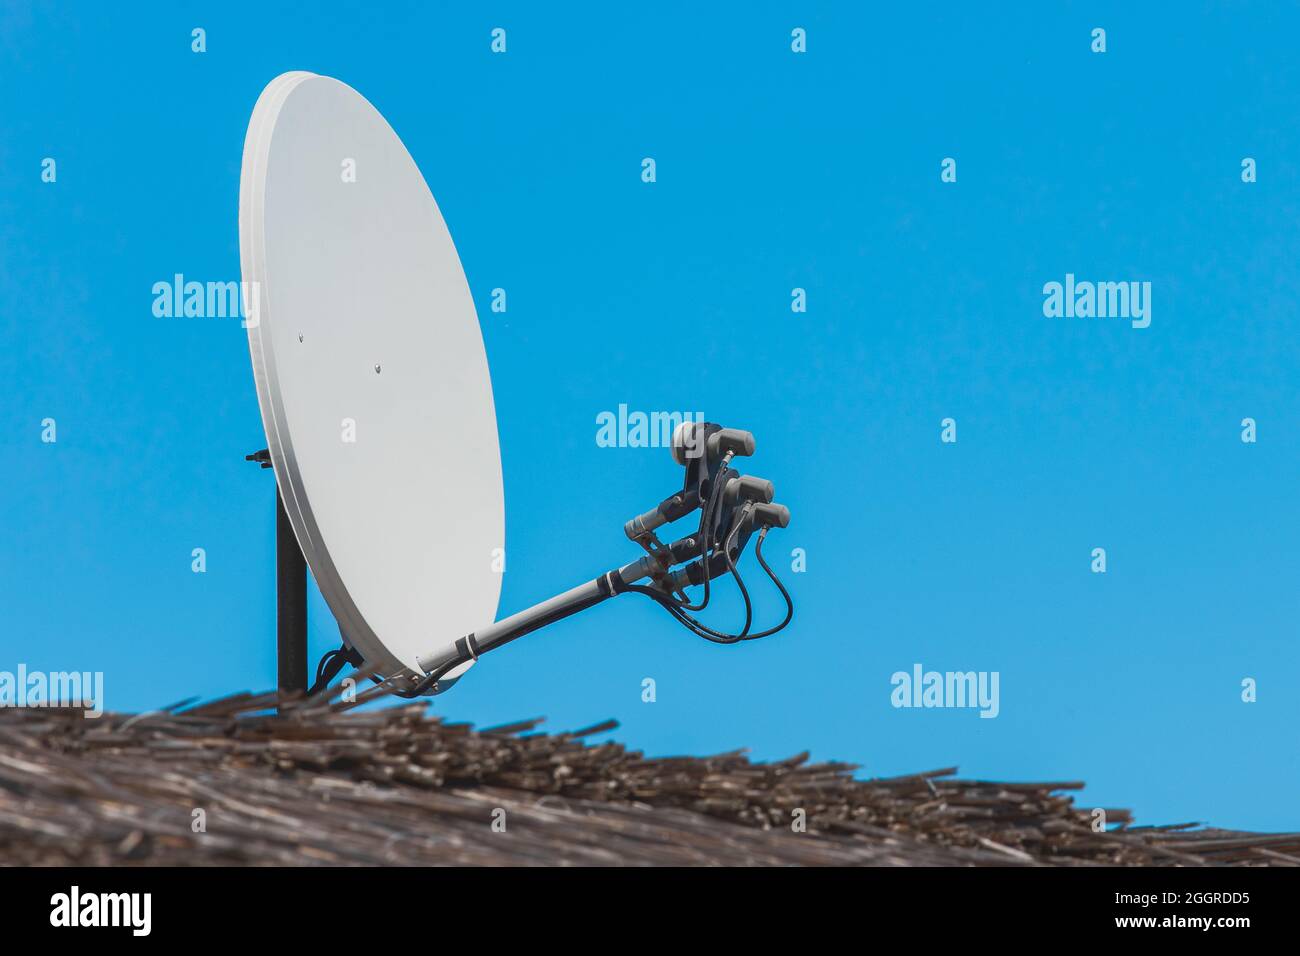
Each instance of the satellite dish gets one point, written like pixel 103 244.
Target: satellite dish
pixel 377 404
pixel 370 371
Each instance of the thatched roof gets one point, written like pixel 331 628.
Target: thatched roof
pixel 327 784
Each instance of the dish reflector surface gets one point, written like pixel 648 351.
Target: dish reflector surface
pixel 371 373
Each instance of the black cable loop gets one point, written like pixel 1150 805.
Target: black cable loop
pixel 789 604
pixel 330 664
pixel 709 634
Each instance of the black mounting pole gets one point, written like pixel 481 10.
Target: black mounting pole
pixel 290 596
pixel 291 604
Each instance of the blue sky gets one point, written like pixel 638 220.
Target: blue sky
pixel 775 171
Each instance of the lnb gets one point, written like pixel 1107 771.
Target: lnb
pixel 747 488
pixel 770 516
pixel 692 439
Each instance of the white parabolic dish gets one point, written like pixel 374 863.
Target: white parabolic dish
pixel 371 373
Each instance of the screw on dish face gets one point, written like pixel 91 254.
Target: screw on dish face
pixel 376 369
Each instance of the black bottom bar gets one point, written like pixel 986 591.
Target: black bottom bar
pixel 956 911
